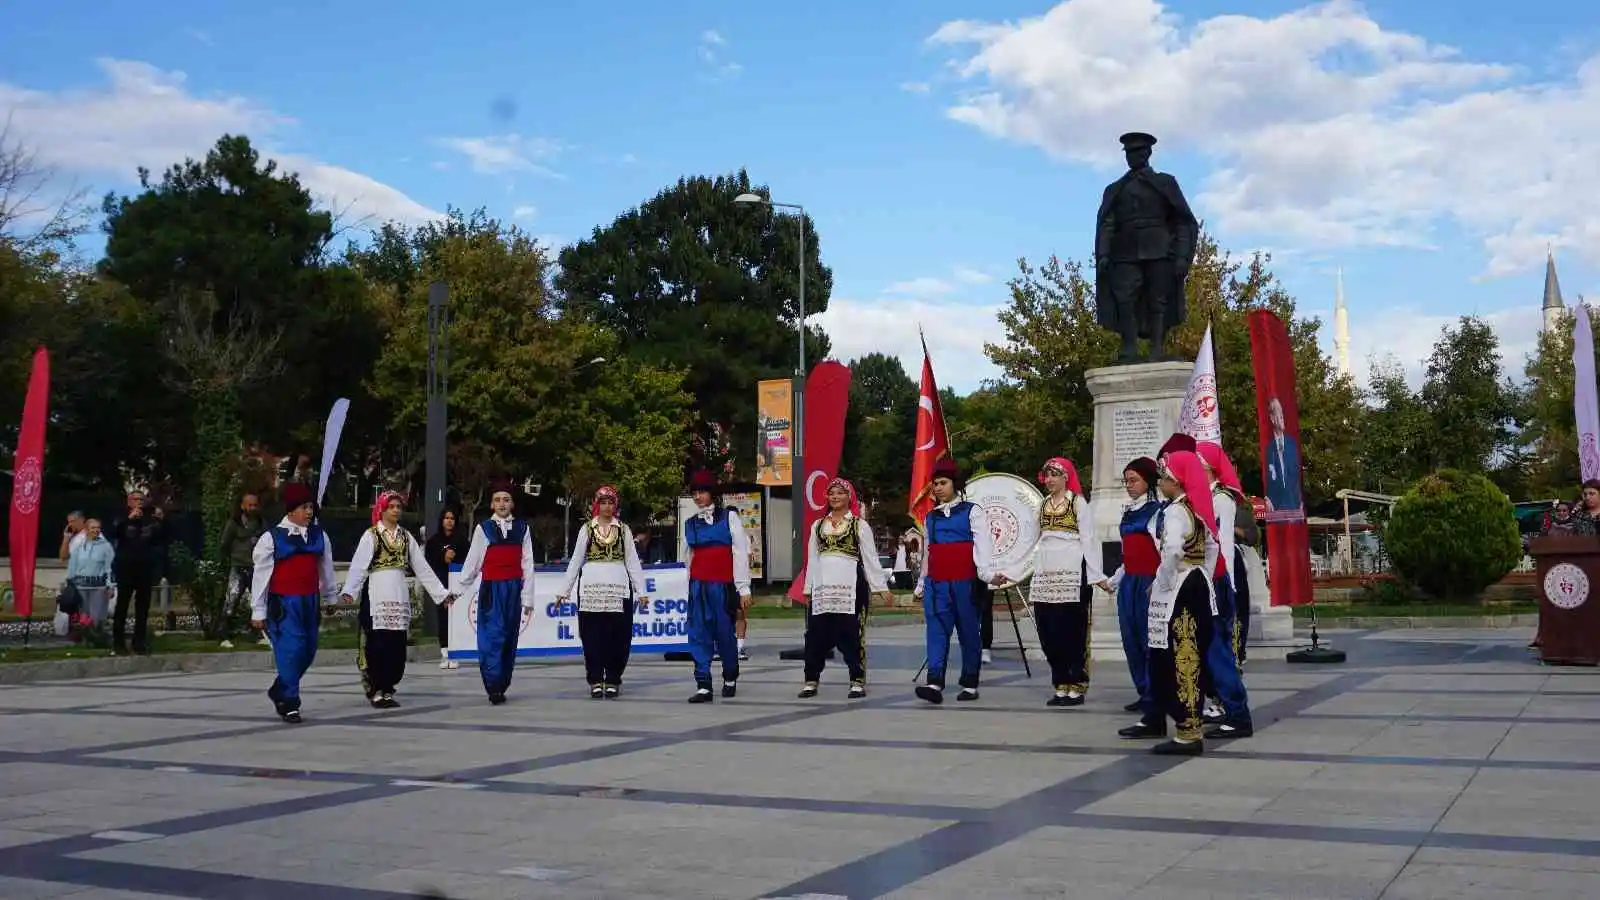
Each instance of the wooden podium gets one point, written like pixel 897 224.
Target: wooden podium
pixel 1569 613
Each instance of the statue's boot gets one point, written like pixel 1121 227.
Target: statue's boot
pixel 1158 336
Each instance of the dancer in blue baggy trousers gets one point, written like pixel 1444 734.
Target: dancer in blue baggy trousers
pixel 293 578
pixel 958 562
pixel 1131 582
pixel 499 572
pixel 719 586
pixel 1233 720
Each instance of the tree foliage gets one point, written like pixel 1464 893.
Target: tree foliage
pixel 1549 434
pixel 692 281
pixel 1453 534
pixel 522 376
pixel 879 429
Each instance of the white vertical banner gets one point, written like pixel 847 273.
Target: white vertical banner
pixel 1586 404
pixel 330 443
pixel 1201 418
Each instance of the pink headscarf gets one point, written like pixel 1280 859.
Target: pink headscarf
pixel 855 503
pixel 382 503
pixel 1065 465
pixel 607 491
pixel 1218 462
pixel 1190 473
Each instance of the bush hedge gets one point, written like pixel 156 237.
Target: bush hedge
pixel 1453 534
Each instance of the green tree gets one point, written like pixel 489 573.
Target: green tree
pixel 1394 450
pixel 1550 434
pixel 1453 534
pixel 525 390
pixel 691 280
pixel 1471 404
pixel 880 429
pixel 231 258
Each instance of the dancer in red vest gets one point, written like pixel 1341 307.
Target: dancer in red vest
pixel 499 573
pixel 293 578
pixel 719 585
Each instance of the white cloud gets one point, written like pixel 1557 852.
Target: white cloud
pixel 1324 127
pixel 525 212
pixel 712 51
pixel 508 154
pixel 955 331
pixel 147 117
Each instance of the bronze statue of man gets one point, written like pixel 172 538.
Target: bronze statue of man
pixel 1143 247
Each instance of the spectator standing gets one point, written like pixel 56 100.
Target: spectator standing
pixel 239 538
pixel 139 539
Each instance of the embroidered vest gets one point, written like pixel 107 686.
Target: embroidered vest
pixel 600 550
pixel 1066 520
pixel 845 543
pixel 390 556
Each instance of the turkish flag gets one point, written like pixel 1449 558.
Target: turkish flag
pixel 933 442
pixel 27 484
pixel 827 400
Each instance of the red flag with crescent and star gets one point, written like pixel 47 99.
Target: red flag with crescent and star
pixel 827 406
pixel 27 484
pixel 933 442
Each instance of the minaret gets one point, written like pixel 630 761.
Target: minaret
pixel 1553 307
pixel 1341 326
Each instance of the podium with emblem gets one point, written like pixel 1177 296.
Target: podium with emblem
pixel 1569 618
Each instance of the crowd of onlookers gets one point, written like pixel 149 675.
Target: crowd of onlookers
pixel 113 571
pixel 1580 517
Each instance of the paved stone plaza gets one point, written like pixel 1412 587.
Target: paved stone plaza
pixel 1442 764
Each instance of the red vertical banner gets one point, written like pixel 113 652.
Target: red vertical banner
pixel 827 399
pixel 933 443
pixel 1278 422
pixel 27 484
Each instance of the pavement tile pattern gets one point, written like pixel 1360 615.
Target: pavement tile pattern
pixel 1432 764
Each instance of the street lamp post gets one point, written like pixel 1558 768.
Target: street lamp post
pixel 797 469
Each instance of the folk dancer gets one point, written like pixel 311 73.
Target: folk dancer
pixel 1131 582
pixel 293 578
pixel 957 566
pixel 606 574
pixel 1069 562
pixel 378 576
pixel 499 573
pixel 1182 606
pixel 1230 712
pixel 719 586
pixel 842 572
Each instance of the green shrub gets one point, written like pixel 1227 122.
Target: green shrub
pixel 1453 534
pixel 1386 591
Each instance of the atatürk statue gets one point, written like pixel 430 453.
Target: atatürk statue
pixel 1143 247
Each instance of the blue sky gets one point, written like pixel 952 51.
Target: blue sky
pixel 1334 134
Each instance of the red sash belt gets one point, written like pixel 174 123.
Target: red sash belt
pixel 951 562
pixel 296 576
pixel 502 562
pixel 1139 555
pixel 713 563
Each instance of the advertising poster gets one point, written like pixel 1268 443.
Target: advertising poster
pixel 775 433
pixel 1278 423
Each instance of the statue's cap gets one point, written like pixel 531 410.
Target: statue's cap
pixel 1137 140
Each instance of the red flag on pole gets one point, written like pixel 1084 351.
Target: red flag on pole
pixel 933 442
pixel 27 484
pixel 827 405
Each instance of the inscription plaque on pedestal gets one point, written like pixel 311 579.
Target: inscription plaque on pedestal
pixel 1136 431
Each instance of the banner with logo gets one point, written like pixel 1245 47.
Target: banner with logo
pixel 1585 401
pixel 27 484
pixel 660 618
pixel 1278 423
pixel 827 405
pixel 775 432
pixel 1201 418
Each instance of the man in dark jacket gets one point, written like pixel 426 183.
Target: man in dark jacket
pixel 140 541
pixel 239 539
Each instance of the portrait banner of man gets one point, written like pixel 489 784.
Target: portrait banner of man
pixel 1278 423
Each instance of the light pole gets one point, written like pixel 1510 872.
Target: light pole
pixel 797 471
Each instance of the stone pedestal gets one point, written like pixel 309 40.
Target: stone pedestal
pixel 1136 409
pixel 1270 626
